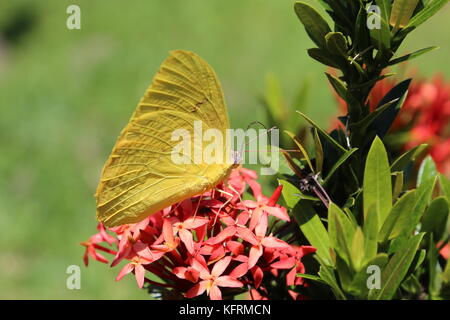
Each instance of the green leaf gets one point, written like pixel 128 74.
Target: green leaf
pixel 301 148
pixel 412 55
pixel 435 217
pixel 324 134
pixel 396 269
pixel 358 249
pixel 289 193
pixel 398 94
pixel 370 230
pixel 341 232
pixel 319 151
pixel 427 170
pixel 402 161
pixel 313 229
pixel 434 269
pixel 311 277
pixel 402 11
pixel 336 43
pixel 385 8
pixel 446 273
pixel 445 185
pixel 327 274
pixel 316 26
pixel 325 58
pixel 338 85
pixel 423 197
pixel 381 37
pixel 377 188
pixel 426 13
pixel 359 287
pixel 336 166
pixel 398 184
pixel 393 226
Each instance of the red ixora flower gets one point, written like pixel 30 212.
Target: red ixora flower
pixel 424 117
pixel 215 243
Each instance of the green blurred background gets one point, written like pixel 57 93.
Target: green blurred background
pixel 65 95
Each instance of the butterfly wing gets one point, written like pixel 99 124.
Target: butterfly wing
pixel 139 177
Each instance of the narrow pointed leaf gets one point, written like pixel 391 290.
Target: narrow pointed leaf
pixel 336 166
pixel 426 13
pixel 324 134
pixel 315 25
pixel 412 55
pixel 377 187
pixel 396 269
pixel 313 229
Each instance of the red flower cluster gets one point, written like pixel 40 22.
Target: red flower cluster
pixel 215 243
pixel 425 117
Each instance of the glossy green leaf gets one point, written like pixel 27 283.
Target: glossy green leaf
pixel 358 249
pixel 327 274
pixel 398 94
pixel 396 269
pixel 398 184
pixel 336 43
pixel 403 160
pixel 341 231
pixel 412 55
pixel 301 148
pixel 427 170
pixel 370 230
pixel 381 37
pixel 338 85
pixel 393 226
pixel 324 134
pixel 319 151
pixel 359 287
pixel 432 8
pixel 377 187
pixel 435 217
pixel 313 229
pixel 311 277
pixel 325 57
pixel 445 185
pixel 336 166
pixel 315 25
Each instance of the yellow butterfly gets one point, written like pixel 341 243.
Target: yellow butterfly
pixel 139 178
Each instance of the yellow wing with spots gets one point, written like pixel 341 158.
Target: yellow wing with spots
pixel 139 178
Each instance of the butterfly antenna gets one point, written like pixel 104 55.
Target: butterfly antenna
pixel 248 127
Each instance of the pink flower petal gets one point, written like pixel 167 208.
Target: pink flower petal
pixel 139 273
pixel 278 212
pixel 222 236
pixel 272 242
pixel 194 222
pixel 261 227
pixel 188 240
pixel 197 290
pixel 239 271
pixel 255 253
pixel 287 263
pixel 220 266
pixel 257 276
pixel 125 270
pixel 229 282
pixel 247 235
pixel 214 293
